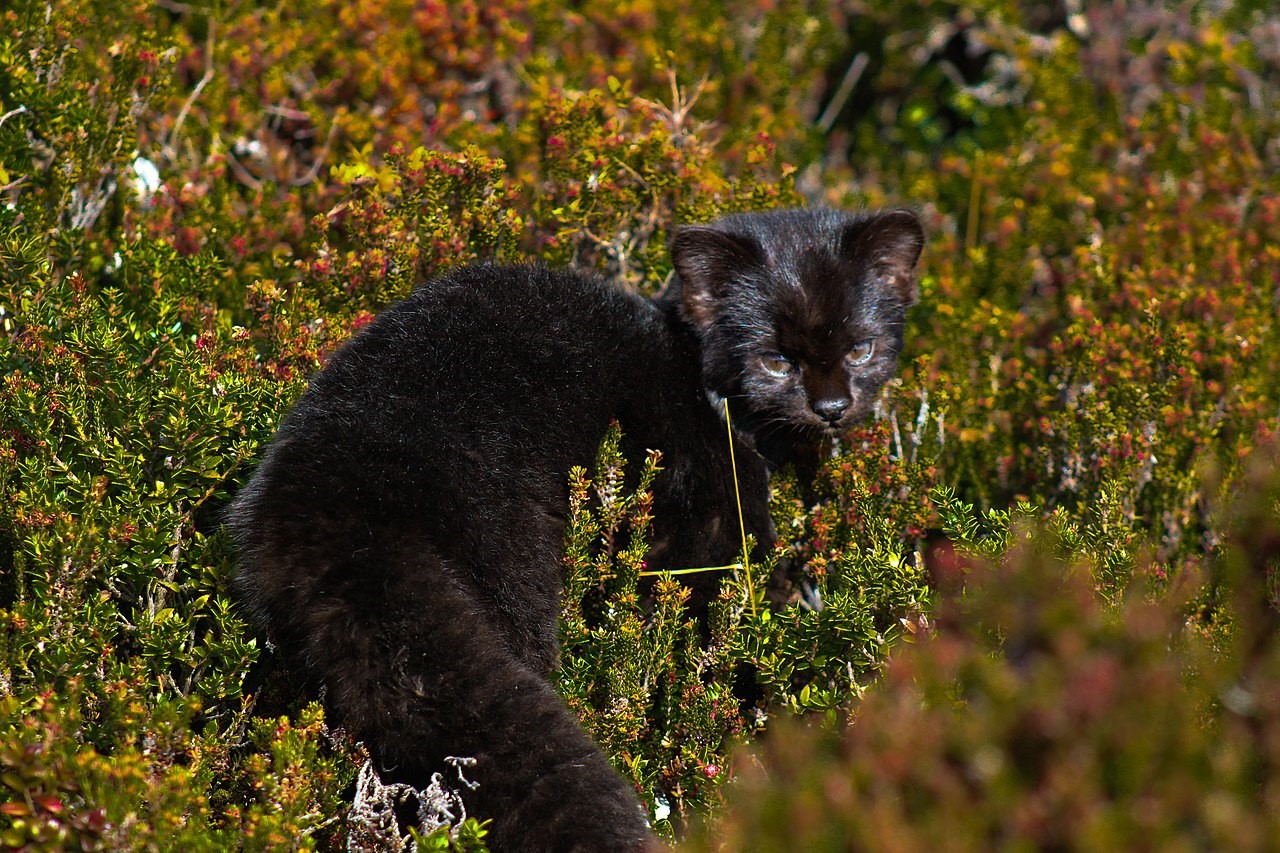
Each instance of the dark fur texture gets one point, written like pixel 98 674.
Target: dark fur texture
pixel 402 538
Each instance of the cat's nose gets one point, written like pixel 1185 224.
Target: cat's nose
pixel 831 409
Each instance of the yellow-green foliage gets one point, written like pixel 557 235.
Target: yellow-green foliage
pixel 1038 716
pixel 197 204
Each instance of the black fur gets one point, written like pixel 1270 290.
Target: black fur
pixel 402 538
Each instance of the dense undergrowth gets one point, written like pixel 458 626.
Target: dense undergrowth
pixel 197 204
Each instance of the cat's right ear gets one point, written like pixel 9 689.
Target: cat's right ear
pixel 891 243
pixel 707 260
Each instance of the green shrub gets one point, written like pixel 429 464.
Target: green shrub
pixel 1038 716
pixel 197 204
pixel 659 696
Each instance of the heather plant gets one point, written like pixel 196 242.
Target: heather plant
pixel 1099 267
pixel 661 693
pixel 74 100
pixel 418 214
pixel 273 99
pixel 197 204
pixel 756 68
pixel 615 171
pixel 1039 715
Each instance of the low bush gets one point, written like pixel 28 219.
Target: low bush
pixel 198 204
pixel 1040 715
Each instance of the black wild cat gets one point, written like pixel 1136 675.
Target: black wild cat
pixel 402 538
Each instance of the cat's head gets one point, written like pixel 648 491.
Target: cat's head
pixel 799 312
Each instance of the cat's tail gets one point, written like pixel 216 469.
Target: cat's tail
pixel 420 690
pixel 413 668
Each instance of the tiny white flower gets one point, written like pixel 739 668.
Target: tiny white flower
pixel 146 178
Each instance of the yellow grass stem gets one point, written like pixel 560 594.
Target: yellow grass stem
pixel 742 526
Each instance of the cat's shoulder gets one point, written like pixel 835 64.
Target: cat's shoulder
pixel 518 299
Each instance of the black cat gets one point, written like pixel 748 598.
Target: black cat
pixel 402 538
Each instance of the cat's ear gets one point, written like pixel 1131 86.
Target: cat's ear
pixel 707 259
pixel 892 242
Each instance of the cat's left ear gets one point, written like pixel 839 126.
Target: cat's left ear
pixel 707 261
pixel 891 241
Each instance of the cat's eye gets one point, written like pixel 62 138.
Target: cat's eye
pixel 776 365
pixel 862 353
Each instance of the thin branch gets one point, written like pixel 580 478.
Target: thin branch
pixel 677 114
pixel 310 175
pixel 19 110
pixel 287 112
pixel 180 8
pixel 838 100
pixel 241 173
pixel 195 93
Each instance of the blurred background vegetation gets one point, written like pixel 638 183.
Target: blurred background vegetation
pixel 1047 568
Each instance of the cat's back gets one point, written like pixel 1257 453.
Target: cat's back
pixel 487 341
pixel 484 384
